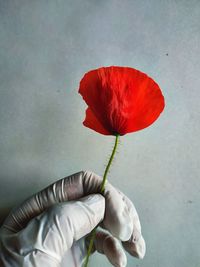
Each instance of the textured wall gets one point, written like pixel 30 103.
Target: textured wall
pixel 45 48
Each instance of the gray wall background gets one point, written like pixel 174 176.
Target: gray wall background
pixel 45 48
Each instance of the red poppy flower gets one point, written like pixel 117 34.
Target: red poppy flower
pixel 120 100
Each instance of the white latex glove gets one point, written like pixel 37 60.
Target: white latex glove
pixel 48 228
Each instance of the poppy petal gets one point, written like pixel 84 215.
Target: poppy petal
pixel 147 108
pixel 93 123
pixel 95 97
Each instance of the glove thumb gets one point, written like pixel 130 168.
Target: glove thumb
pixel 54 231
pixel 67 222
pixel 75 219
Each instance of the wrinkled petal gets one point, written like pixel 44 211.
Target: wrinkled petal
pixel 93 123
pixel 121 99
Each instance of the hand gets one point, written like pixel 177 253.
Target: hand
pixel 48 229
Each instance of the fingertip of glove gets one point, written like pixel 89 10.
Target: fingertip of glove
pixel 141 248
pixel 136 249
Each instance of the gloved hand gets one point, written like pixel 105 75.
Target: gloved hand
pixel 48 229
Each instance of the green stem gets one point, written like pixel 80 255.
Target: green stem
pixel 93 233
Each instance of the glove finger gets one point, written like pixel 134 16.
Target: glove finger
pixel 106 244
pixel 136 244
pixel 136 249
